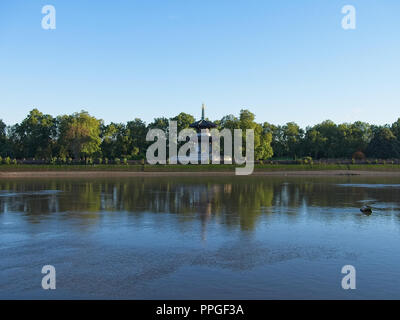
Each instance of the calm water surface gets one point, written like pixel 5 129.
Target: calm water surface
pixel 200 238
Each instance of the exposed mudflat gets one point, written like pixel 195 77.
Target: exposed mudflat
pixel 109 174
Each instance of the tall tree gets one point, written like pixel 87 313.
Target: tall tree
pixel 278 144
pixel 160 123
pixel 229 122
pixel 183 120
pixel 315 143
pixel 35 135
pixel 115 141
pixel 137 131
pixel 246 120
pixel 79 134
pixel 264 150
pixel 292 138
pixel 384 144
pixel 396 129
pixel 3 138
pixel 354 137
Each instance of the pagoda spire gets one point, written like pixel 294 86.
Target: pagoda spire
pixel 202 123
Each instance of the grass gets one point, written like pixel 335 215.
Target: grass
pixel 198 168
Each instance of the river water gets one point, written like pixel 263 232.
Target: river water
pixel 200 238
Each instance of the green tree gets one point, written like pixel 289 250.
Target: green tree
pixel 246 121
pixel 277 143
pixel 79 134
pixel 183 120
pixel 160 123
pixel 137 131
pixel 35 136
pixel 264 150
pixel 115 141
pixel 384 144
pixel 353 137
pixel 314 143
pixel 3 138
pixel 396 129
pixel 292 139
pixel 323 140
pixel 229 122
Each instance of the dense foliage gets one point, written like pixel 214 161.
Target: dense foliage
pixel 77 136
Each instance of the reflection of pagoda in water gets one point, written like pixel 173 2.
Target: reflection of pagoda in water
pixel 202 128
pixel 202 200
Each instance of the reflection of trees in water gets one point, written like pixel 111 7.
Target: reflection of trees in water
pixel 232 201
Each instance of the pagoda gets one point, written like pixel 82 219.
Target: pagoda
pixel 202 128
pixel 203 123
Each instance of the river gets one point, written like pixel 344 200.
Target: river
pixel 200 237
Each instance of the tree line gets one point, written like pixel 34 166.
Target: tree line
pixel 81 136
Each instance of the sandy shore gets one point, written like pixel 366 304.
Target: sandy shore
pixel 124 174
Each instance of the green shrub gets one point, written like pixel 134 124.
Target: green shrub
pixel 7 160
pixel 106 160
pixel 100 160
pixel 1 160
pixel 69 160
pixel 14 161
pixel 308 160
pixel 117 160
pixel 125 161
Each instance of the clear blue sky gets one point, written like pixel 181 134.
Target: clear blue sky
pixel 286 60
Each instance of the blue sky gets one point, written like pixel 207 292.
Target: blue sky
pixel 285 60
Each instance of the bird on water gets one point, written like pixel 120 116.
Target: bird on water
pixel 366 210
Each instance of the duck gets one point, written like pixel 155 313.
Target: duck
pixel 366 210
